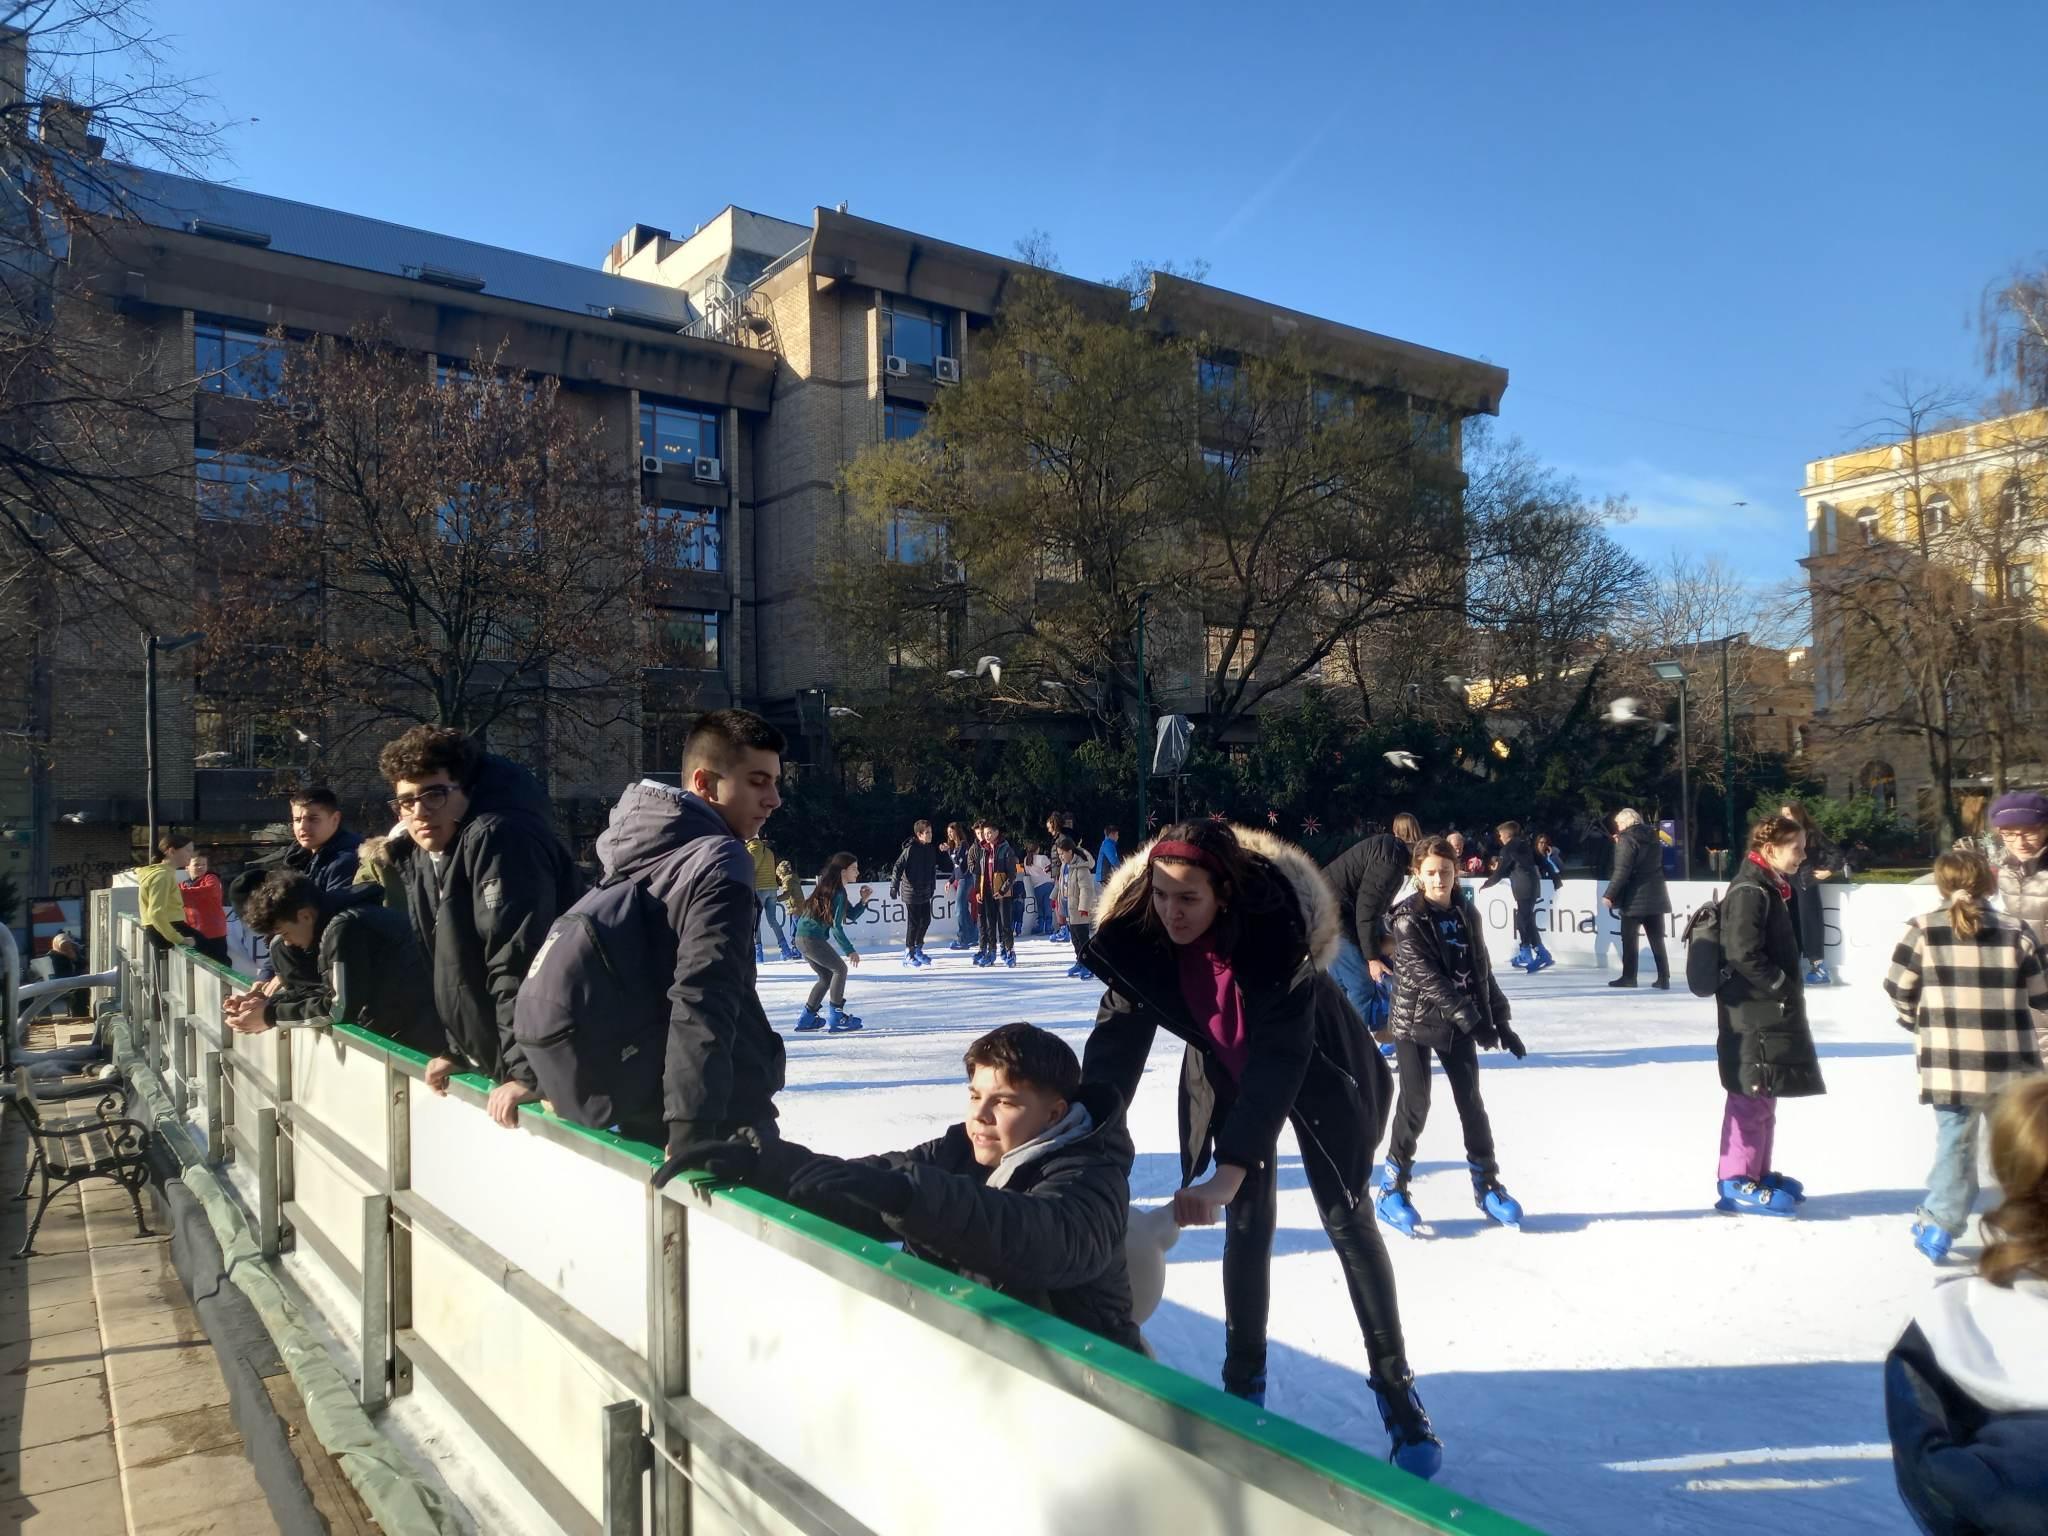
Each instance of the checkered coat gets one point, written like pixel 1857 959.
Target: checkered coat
pixel 1979 1005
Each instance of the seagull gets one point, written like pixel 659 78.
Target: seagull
pixel 841 712
pixel 210 757
pixel 1624 711
pixel 1403 760
pixel 76 818
pixel 1052 687
pixel 1663 730
pixel 1457 684
pixel 304 739
pixel 956 673
pixel 990 667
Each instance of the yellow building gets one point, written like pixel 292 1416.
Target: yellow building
pixel 1924 562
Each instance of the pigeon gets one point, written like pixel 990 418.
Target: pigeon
pixel 1624 711
pixel 1406 761
pixel 990 667
pixel 304 739
pixel 841 712
pixel 76 818
pixel 1664 730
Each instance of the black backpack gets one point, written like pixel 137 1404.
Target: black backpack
pixel 1706 967
pixel 592 1014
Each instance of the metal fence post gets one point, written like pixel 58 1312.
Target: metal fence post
pixel 267 1199
pixel 210 1086
pixel 398 1160
pixel 626 1460
pixel 375 1301
pixel 668 1353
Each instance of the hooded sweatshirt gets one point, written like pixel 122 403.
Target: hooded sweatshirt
pixel 724 1062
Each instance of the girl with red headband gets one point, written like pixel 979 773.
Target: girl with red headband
pixel 1223 937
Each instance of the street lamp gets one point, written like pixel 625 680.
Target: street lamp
pixel 1144 726
pixel 1674 672
pixel 154 645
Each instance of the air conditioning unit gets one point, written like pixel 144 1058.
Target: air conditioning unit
pixel 708 470
pixel 895 367
pixel 650 464
pixel 947 370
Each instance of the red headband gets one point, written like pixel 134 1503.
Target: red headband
pixel 1188 852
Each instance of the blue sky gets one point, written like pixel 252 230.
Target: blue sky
pixel 1700 238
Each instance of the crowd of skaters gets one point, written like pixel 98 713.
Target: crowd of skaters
pixel 1269 969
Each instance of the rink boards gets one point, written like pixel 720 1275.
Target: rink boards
pixel 689 1359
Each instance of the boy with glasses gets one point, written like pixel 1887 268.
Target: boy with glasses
pixel 2020 818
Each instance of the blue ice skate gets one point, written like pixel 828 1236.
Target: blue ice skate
pixel 1080 972
pixel 1785 1182
pixel 1412 1444
pixel 1540 959
pixel 1492 1197
pixel 1253 1391
pixel 1523 955
pixel 1395 1208
pixel 1932 1241
pixel 760 954
pixel 1010 958
pixel 809 1020
pixel 839 1022
pixel 1748 1196
pixel 1817 975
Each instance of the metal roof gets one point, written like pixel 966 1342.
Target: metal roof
pixel 373 245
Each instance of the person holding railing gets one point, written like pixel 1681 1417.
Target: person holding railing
pixel 316 950
pixel 206 915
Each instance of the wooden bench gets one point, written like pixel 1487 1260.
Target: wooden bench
pixel 70 1151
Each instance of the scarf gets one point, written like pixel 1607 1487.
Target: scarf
pixel 1778 882
pixel 1071 1127
pixel 1209 988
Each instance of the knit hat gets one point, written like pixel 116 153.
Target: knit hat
pixel 2020 808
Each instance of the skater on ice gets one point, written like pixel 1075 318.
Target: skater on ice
pixel 1077 898
pixel 1637 896
pixel 1446 1005
pixel 2020 821
pixel 913 882
pixel 1516 864
pixel 821 938
pixel 1370 876
pixel 1968 981
pixel 1223 938
pixel 992 862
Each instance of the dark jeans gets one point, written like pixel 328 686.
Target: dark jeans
pixel 962 893
pixel 1411 1112
pixel 995 926
pixel 1652 930
pixel 214 949
pixel 1080 933
pixel 1248 1223
pixel 917 921
pixel 1812 926
pixel 1525 923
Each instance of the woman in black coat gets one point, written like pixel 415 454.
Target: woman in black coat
pixel 1820 863
pixel 1636 894
pixel 1517 865
pixel 1764 1046
pixel 1222 937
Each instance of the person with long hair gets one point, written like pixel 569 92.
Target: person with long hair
pixel 1969 982
pixel 1966 1394
pixel 957 846
pixel 820 926
pixel 1820 864
pixel 1516 864
pixel 1763 1044
pixel 1223 937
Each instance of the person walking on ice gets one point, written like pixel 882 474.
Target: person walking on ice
pixel 1969 982
pixel 1446 1005
pixel 1763 1043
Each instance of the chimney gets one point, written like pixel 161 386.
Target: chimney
pixel 630 244
pixel 13 67
pixel 66 126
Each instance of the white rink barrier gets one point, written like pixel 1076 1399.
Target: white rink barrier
pixel 684 1360
pixel 1863 922
pixel 882 926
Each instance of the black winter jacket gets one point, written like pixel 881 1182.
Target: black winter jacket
pixel 1053 1236
pixel 1311 1060
pixel 388 990
pixel 1517 865
pixel 724 1061
pixel 1962 1469
pixel 1764 1045
pixel 1428 1007
pixel 1635 885
pixel 481 917
pixel 1366 877
pixel 917 871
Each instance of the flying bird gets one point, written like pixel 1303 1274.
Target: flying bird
pixel 1624 711
pixel 1052 687
pixel 304 739
pixel 76 818
pixel 956 673
pixel 1406 761
pixel 841 712
pixel 990 667
pixel 1664 730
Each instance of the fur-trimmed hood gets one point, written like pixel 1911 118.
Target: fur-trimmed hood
pixel 1314 897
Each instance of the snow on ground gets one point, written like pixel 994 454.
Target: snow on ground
pixel 1630 1361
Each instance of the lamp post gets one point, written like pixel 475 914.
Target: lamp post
pixel 154 645
pixel 1144 725
pixel 1674 672
pixel 1727 749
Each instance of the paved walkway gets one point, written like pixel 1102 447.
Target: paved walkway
pixel 114 1416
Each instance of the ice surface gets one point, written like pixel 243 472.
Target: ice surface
pixel 1628 1362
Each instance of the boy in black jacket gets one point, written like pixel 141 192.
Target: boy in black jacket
pixel 912 881
pixel 1030 1195
pixel 318 950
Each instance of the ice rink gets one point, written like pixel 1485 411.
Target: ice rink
pixel 1628 1362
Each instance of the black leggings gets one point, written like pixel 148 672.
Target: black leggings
pixel 1525 923
pixel 1411 1110
pixel 1652 931
pixel 917 921
pixel 1248 1224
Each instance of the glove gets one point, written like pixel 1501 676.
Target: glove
pixel 829 1179
pixel 1512 1043
pixel 1486 1037
pixel 731 1160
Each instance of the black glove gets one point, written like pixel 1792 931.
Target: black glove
pixel 733 1160
pixel 829 1179
pixel 1512 1043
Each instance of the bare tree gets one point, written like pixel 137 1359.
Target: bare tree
pixel 2012 323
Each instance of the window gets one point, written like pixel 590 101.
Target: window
pixel 678 434
pixel 245 364
pixel 2019 585
pixel 1240 659
pixel 913 539
pixel 1226 462
pixel 1059 559
pixel 901 420
pixel 1429 428
pixel 1935 515
pixel 1221 380
pixel 236 487
pixel 2015 502
pixel 663 729
pixel 1879 783
pixel 686 637
pixel 685 538
pixel 1869 526
pixel 918 334
pixel 1333 397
